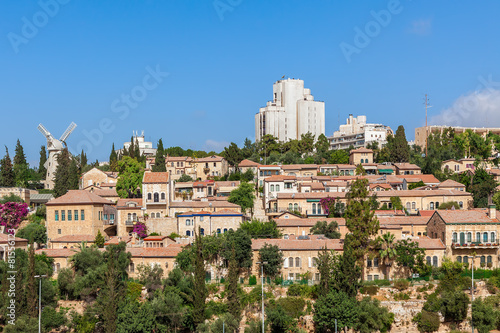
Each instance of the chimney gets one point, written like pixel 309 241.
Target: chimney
pixel 492 212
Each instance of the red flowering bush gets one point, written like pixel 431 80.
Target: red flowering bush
pixel 140 229
pixel 12 213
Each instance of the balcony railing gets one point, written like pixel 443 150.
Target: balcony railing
pixel 131 222
pixel 476 245
pixel 109 222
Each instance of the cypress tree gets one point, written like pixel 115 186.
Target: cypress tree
pixel 6 170
pixel 233 302
pixel 113 159
pixel 137 152
pixel 21 169
pixel 200 289
pixel 74 175
pixel 131 148
pixel 83 160
pixel 159 165
pixel 400 150
pixel 41 165
pixel 31 283
pixel 62 182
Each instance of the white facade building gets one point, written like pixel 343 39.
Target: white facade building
pixel 145 147
pixel 356 132
pixel 292 112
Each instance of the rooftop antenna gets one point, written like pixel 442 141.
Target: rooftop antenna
pixel 426 127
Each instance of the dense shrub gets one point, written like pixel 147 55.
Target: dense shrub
pixel 369 290
pixel 427 321
pixel 380 283
pixel 401 296
pixel 302 290
pixel 433 303
pixel 401 284
pixel 293 306
pixel 215 308
pixel 252 280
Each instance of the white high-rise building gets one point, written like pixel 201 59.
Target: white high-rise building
pixel 292 112
pixel 358 133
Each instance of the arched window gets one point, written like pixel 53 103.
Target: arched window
pixel 272 188
pixel 314 208
pixel 202 231
pixel 134 216
pixel 295 206
pixel 485 237
pixel 162 195
pixel 469 237
pixel 218 230
pixel 188 222
pixel 129 217
pixel 432 205
pixel 375 262
pixel 478 237
pixel 489 258
pixel 319 209
pixel 483 260
pixel 277 188
pixel 297 262
pixel 428 259
pixel 408 205
pixel 157 215
pixel 156 197
pixel 466 259
pixel 188 233
pixel 290 262
pixel 454 237
pixel 462 238
pixel 290 206
pixel 461 204
pixel 225 230
pixel 492 237
pixel 459 259
pixel 435 261
pixel 149 196
pixel 437 205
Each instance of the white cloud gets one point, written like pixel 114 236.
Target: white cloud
pixel 476 109
pixel 421 27
pixel 216 146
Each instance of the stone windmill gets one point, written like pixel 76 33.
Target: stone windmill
pixel 54 147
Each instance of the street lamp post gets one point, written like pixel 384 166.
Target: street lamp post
pixel 40 302
pixel 262 263
pixel 472 292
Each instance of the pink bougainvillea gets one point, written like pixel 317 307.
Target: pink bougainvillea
pixel 11 214
pixel 140 229
pixel 328 204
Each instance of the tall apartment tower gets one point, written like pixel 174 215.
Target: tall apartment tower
pixel 292 112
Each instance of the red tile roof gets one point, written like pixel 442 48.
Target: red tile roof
pixel 154 252
pixel 306 222
pixel 361 150
pixel 428 213
pixel 122 203
pixel 298 166
pixel 403 220
pixel 57 253
pixel 427 243
pixel 406 166
pixel 427 179
pixel 301 244
pixel 155 177
pixel 213 158
pixel 464 216
pixel 450 183
pixel 279 178
pixel 116 240
pixel 74 239
pixel 4 239
pixel 155 238
pixel 248 163
pixel 79 197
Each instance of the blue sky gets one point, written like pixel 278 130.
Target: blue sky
pixel 222 58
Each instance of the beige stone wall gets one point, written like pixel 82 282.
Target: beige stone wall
pixel 167 264
pixel 164 226
pixel 355 158
pixel 215 168
pixel 124 228
pixel 89 226
pixel 95 177
pixel 23 193
pixel 60 263
pixel 209 224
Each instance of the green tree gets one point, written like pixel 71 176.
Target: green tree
pixel 137 318
pixel 83 160
pixel 360 219
pixel 130 177
pixel 396 203
pixel 387 250
pixel 409 256
pixel 399 148
pixel 339 156
pixel 274 258
pixel 242 244
pixel 184 178
pixel 150 276
pixel 113 159
pixel 482 187
pixel 64 180
pixel 159 165
pixel 232 154
pixel 484 316
pixel 33 232
pixel 200 289
pixel 454 306
pixel 259 229
pixel 23 324
pixel 335 306
pixel 41 165
pixel 415 185
pixel 21 167
pixel 243 196
pixel 427 321
pixel 31 284
pixel 330 230
pixel 7 175
pixel 322 145
pixel 306 143
pixel 373 317
pixel 280 321
pixel 99 240
pixel 233 301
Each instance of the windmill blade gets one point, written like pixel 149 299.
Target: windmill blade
pixel 67 132
pixel 44 131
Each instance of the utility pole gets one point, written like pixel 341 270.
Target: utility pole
pixel 40 302
pixel 426 128
pixel 262 263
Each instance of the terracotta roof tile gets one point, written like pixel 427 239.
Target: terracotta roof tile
pixel 403 220
pixel 429 243
pixel 464 216
pixel 155 177
pixel 116 240
pixel 154 252
pixel 450 183
pixel 278 178
pixel 427 179
pixel 300 245
pixel 4 238
pixel 406 166
pixel 428 213
pixel 298 166
pixel 74 239
pixel 213 158
pixel 79 197
pixel 306 222
pixel 361 150
pixel 123 203
pixel 57 253
pixel 248 163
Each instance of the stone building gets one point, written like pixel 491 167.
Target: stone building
pixel 155 193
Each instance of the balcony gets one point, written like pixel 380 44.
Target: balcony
pixel 476 245
pixel 131 223
pixel 109 222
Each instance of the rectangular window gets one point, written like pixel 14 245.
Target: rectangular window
pixel 63 215
pixel 105 217
pixel 111 216
pixel 56 215
pixel 82 215
pixel 69 215
pixel 76 214
pixel 59 231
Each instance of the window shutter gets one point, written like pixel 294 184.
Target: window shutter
pixel 285 263
pixel 309 260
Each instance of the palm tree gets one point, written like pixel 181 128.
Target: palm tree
pixel 387 250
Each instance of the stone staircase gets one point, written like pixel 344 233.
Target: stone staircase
pixel 258 210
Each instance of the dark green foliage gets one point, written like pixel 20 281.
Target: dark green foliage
pixel 454 306
pixel 150 276
pixel 335 305
pixel 427 321
pixel 398 146
pixel 130 178
pixel 33 232
pixel 233 302
pixel 302 290
pixel 230 323
pixel 243 196
pixel 159 165
pixel 242 244
pixel 24 324
pixel 11 198
pixel 482 187
pixel 410 256
pixel 21 167
pixel 258 229
pixel 200 289
pixel 373 317
pixel 330 230
pixel 339 156
pixel 280 321
pixel 252 280
pixel 232 154
pixel 66 175
pixel 184 178
pixel 99 240
pixel 65 282
pixel 415 185
pixel 52 319
pixel 137 318
pixel 293 306
pixel 484 316
pixel 449 205
pixel 7 175
pixel 274 258
pixel 113 159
